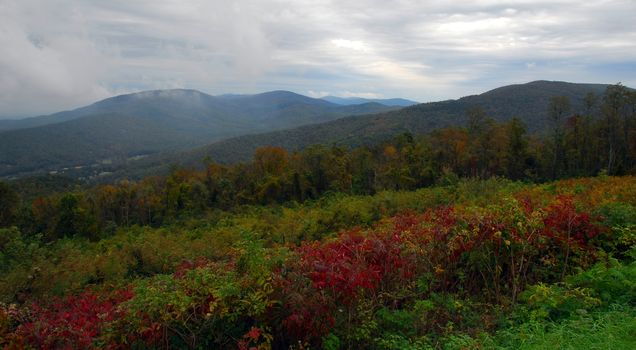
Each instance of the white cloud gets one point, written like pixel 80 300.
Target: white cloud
pixel 355 45
pixel 360 94
pixel 317 94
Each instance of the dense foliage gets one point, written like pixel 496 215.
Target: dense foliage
pixel 476 264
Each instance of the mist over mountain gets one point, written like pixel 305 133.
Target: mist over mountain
pixel 359 100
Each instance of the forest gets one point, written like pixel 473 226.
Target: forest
pixel 483 236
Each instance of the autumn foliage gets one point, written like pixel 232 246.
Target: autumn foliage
pixel 74 322
pixel 420 269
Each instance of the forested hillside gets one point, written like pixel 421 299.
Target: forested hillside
pixel 580 131
pixel 526 102
pixel 123 128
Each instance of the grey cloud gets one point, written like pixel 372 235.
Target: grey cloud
pixel 64 53
pixel 42 67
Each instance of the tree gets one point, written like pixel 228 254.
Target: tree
pixel 613 102
pixel 362 171
pixel 517 152
pixel 325 169
pixel 74 219
pixel 476 121
pixel 450 149
pixel 558 108
pixel 271 165
pixel 8 205
pixel 589 101
pixel 270 160
pixel 587 154
pixel 216 182
pixel 631 129
pixel 575 139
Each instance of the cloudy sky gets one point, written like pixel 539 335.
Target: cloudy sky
pixel 61 54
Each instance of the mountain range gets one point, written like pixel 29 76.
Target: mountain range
pixel 528 102
pixel 117 129
pixel 144 133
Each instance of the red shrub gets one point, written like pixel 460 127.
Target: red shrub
pixel 353 263
pixel 75 322
pixel 333 276
pixel 567 226
pixel 187 265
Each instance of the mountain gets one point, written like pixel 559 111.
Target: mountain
pixel 117 129
pixel 526 101
pixel 346 101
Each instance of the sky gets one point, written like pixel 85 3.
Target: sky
pixel 63 54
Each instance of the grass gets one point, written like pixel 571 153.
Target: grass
pixel 614 328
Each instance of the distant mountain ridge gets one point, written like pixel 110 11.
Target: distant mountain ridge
pixel 364 125
pixel 227 103
pixel 528 102
pixel 346 101
pixel 126 126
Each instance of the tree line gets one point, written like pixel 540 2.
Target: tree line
pixel 602 139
